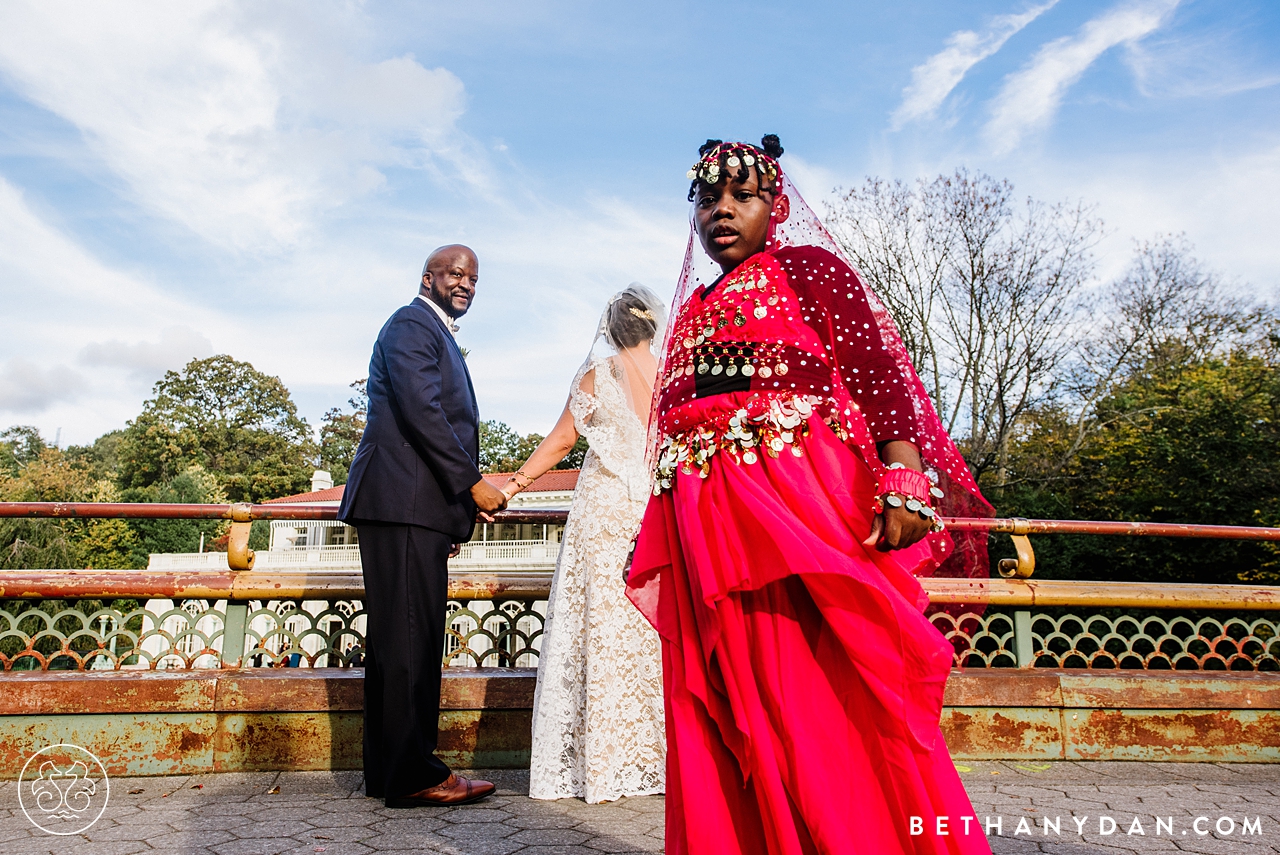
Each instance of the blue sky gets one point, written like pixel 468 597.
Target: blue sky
pixel 264 180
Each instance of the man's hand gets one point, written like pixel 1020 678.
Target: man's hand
pixel 626 567
pixel 455 550
pixel 488 499
pixel 896 528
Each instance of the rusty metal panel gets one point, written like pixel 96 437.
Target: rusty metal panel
pixel 1007 733
pixel 1002 687
pixel 292 741
pixel 127 744
pixel 1201 736
pixel 290 690
pixel 487 688
pixel 89 692
pixel 494 739
pixel 1183 690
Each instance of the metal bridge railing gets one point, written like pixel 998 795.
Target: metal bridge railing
pixel 193 618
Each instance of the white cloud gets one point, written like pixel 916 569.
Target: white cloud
pixel 233 128
pixel 1030 97
pixel 933 80
pixel 1203 65
pixel 26 387
pixel 57 297
pixel 146 361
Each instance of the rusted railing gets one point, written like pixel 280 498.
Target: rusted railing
pixel 222 618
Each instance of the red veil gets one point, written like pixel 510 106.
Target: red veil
pixel 942 459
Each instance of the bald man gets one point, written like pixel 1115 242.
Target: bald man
pixel 413 494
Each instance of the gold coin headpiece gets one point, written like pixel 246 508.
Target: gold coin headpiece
pixel 736 156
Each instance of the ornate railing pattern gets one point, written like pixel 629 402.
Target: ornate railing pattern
pixel 1177 642
pixel 216 616
pixel 43 635
pixel 507 630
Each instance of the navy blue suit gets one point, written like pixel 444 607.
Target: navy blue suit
pixel 408 495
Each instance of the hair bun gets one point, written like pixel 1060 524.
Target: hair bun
pixel 708 146
pixel 771 145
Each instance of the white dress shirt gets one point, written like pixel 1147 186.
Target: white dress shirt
pixel 444 316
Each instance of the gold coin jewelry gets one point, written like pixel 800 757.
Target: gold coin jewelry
pixel 760 311
pixel 717 368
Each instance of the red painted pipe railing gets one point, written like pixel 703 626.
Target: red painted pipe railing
pixel 242 512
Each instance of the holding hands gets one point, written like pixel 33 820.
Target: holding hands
pixel 488 498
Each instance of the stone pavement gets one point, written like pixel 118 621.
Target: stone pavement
pixel 312 812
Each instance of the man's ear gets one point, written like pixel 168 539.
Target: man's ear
pixel 781 208
pixel 426 281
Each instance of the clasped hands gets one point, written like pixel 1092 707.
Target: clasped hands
pixel 489 500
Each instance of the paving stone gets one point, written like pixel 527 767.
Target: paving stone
pixel 132 831
pixel 543 820
pixel 341 848
pixel 274 828
pixel 256 846
pixel 551 837
pixel 300 812
pixel 477 813
pixel 181 841
pixel 327 812
pixel 477 830
pixel 415 823
pixel 323 836
pixel 619 843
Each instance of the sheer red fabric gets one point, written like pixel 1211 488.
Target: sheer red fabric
pixel 803 681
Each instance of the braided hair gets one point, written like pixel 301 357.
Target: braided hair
pixel 764 158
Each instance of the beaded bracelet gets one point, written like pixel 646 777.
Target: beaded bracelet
pixel 904 487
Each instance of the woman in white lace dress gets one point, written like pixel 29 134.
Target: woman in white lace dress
pixel 597 717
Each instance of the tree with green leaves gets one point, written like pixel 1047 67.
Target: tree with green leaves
pixel 502 449
pixel 341 431
pixel 237 423
pixel 19 445
pixel 1176 418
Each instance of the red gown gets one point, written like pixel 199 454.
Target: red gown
pixel 803 683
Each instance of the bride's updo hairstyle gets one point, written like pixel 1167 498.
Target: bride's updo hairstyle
pixel 633 317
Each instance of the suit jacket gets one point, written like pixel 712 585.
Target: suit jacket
pixel 418 458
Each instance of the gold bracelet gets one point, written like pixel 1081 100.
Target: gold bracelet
pixel 520 473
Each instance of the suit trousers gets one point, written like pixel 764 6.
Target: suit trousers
pixel 406 590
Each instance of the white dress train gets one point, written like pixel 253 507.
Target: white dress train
pixel 597 711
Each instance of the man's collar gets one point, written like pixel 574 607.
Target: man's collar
pixel 444 316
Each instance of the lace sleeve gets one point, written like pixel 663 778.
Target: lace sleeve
pixel 582 396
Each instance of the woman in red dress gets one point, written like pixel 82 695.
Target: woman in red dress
pixel 800 471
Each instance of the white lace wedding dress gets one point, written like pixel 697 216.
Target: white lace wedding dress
pixel 597 711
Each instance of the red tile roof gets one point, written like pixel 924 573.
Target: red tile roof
pixel 553 481
pixel 333 494
pixel 557 480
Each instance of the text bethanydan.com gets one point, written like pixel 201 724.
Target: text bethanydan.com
pixel 1104 825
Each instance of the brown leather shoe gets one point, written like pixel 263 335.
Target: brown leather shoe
pixel 456 790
